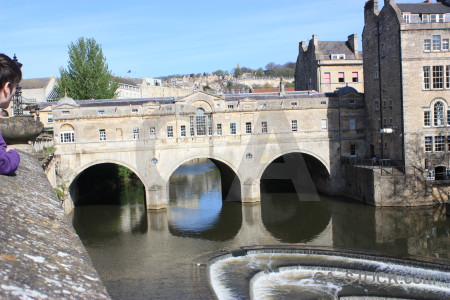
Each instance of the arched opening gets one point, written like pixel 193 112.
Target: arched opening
pixel 295 172
pixel 203 200
pixel 440 173
pixel 109 202
pixel 106 184
pixel 290 199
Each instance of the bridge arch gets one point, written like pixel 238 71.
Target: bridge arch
pixel 309 173
pixel 229 176
pixel 75 175
pixel 325 163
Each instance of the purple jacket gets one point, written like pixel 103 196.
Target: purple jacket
pixel 9 161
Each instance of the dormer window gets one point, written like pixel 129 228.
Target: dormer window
pixel 433 18
pixel 407 18
pixel 337 56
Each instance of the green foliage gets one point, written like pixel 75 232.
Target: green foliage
pixel 238 72
pixel 87 75
pixel 219 73
pixel 267 86
pixel 289 84
pixel 124 173
pixel 49 150
pixel 61 192
pixel 260 72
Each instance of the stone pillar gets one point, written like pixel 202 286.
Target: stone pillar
pixel 251 191
pixel 156 197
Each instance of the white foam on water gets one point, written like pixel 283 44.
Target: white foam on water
pixel 296 277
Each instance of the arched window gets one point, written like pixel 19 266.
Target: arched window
pixel 67 134
pixel 438 113
pixel 200 119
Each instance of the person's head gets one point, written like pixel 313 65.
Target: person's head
pixel 10 76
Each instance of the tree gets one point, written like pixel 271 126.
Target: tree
pixel 238 72
pixel 87 75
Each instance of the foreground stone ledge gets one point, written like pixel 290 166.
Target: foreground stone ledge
pixel 41 256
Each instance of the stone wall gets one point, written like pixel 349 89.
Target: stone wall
pixel 41 256
pixel 389 187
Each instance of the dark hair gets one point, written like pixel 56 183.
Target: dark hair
pixel 9 72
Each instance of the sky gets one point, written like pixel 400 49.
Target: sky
pixel 157 38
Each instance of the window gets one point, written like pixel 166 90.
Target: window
pixel 327 77
pixel 382 52
pixel 352 149
pixel 355 77
pixel 341 77
pixel 232 128
pixel 438 114
pixel 65 112
pixel 448 143
pixel 191 126
pixel 426 77
pixel 200 121
pixel 294 103
pixel 230 106
pixel 425 18
pixel 324 123
pixel 294 125
pixel 445 44
pixel 210 128
pixel 219 129
pixel 377 105
pixel 352 124
pixel 437 18
pixel 375 71
pixel 438 77
pixel 102 134
pixel 447 77
pixel 67 137
pixel 337 56
pixel 448 117
pixel 439 143
pixel 426 118
pixel 169 131
pixel 436 43
pixel 50 118
pixel 134 110
pixel 427 45
pixel 248 127
pixel 135 133
pixel 101 112
pixel 428 143
pixel 264 126
pixel 183 130
pixel 407 18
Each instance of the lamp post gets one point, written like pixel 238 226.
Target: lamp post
pixel 17 98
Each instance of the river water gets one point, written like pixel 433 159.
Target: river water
pixel 142 254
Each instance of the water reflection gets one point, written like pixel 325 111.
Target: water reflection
pixel 142 254
pixel 199 212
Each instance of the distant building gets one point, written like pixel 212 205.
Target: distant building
pixel 131 88
pixel 37 90
pixel 327 66
pixel 407 83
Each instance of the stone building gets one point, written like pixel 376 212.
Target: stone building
pixel 37 90
pixel 407 83
pixel 326 66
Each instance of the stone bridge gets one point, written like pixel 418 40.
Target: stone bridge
pixel 242 134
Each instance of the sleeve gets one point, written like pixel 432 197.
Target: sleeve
pixel 9 161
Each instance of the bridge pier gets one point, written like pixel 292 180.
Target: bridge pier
pixel 251 191
pixel 156 197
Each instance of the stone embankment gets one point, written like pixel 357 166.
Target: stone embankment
pixel 41 256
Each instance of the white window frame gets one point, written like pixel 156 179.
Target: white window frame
pixel 233 128
pixel 427 45
pixel 352 124
pixel 264 128
pixel 337 56
pixel 428 144
pixel 170 131
pixel 407 18
pixel 324 124
pixel 67 137
pixel 294 125
pixel 248 127
pixel 427 118
pixel 102 134
pixel 135 133
pixel 219 128
pixel 50 118
pixel 183 130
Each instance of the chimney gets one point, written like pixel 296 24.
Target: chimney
pixel 352 41
pixel 429 1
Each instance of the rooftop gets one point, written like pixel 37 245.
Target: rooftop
pixel 425 8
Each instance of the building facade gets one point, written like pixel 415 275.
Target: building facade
pixel 327 66
pixel 407 83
